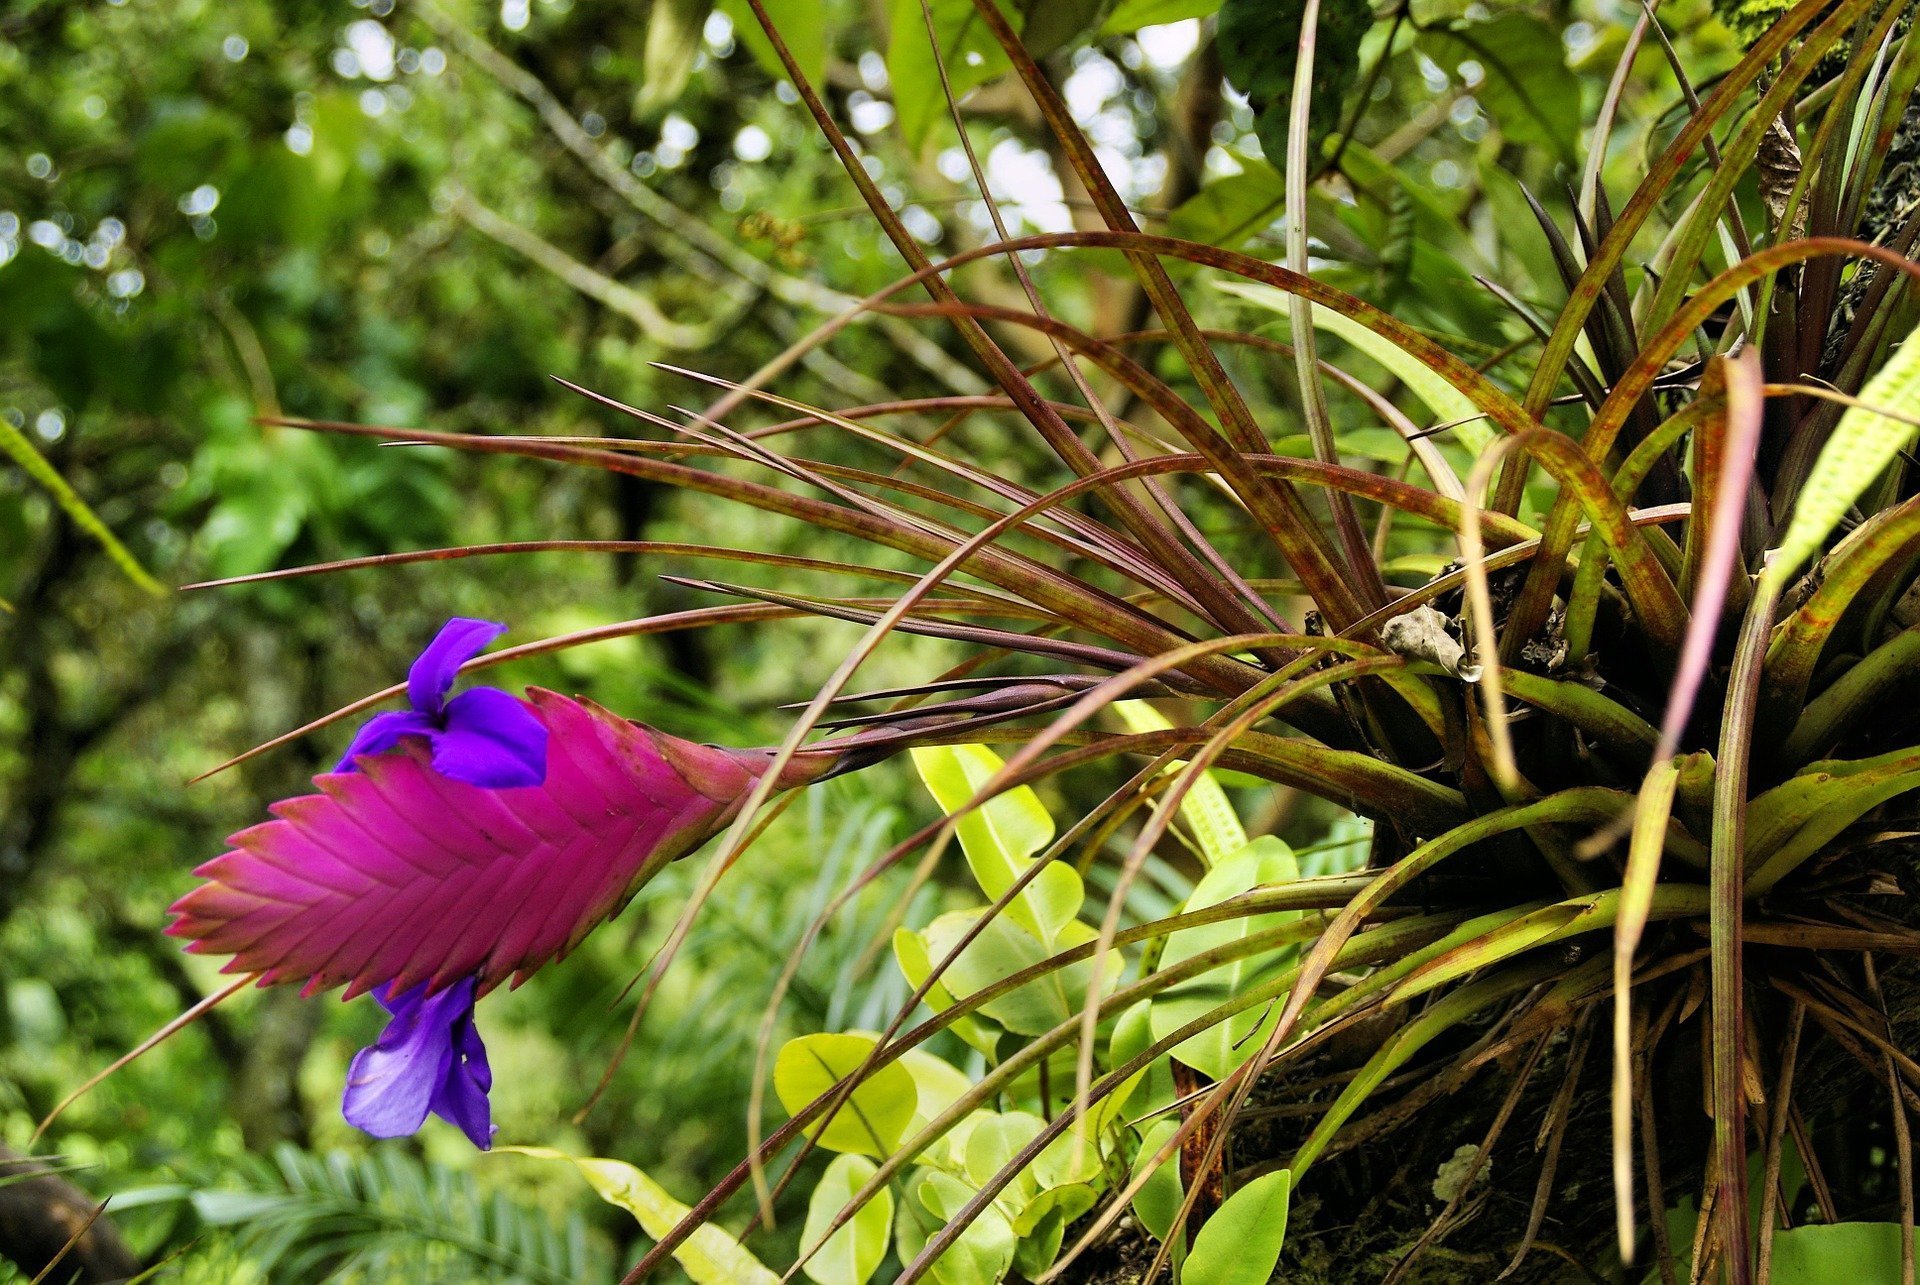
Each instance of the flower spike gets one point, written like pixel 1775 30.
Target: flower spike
pixel 396 875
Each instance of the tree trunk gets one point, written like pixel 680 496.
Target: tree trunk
pixel 44 1218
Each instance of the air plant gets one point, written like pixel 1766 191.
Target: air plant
pixel 1630 761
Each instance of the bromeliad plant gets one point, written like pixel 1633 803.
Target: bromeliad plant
pixel 1632 769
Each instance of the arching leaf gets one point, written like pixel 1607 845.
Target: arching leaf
pixel 710 1256
pixel 1862 445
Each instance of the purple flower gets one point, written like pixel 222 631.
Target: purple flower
pixel 429 1059
pixel 483 736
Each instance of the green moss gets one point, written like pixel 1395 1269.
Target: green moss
pixel 1748 18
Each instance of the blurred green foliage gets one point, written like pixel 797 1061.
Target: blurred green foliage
pixel 214 213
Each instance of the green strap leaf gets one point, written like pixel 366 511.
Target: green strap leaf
pixel 17 447
pixel 1863 444
pixel 1448 403
pixel 710 1256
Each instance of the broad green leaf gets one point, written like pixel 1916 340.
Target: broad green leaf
pixel 1040 1239
pixel 1132 1034
pixel 994 1142
pixel 1131 15
pixel 937 1085
pixel 1219 1050
pixel 1071 1199
pixel 16 445
pixel 1259 43
pixel 910 952
pixel 1051 1181
pixel 709 1256
pixel 1004 948
pixel 1206 809
pixel 674 29
pixel 1241 1243
pixel 1158 1200
pixel 1051 25
pixel 873 1118
pixel 1067 1161
pixel 851 1255
pixel 981 1254
pixel 1863 444
pixel 1055 1161
pixel 1860 1252
pixel 1448 403
pixel 1001 836
pixel 801 23
pixel 1524 86
pixel 1230 211
pixel 968 51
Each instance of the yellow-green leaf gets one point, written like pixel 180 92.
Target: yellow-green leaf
pixel 1241 1243
pixel 937 1085
pixel 1862 445
pixel 875 1115
pixel 709 1256
pixel 1004 948
pixel 1218 1050
pixel 979 1256
pixel 1206 809
pixel 910 952
pixel 1158 1200
pixel 801 24
pixel 1001 836
pixel 852 1254
pixel 674 30
pixel 966 49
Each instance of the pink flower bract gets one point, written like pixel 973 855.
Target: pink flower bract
pixel 398 874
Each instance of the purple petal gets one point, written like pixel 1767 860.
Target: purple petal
pixel 461 1098
pixel 392 1083
pixel 490 740
pixel 459 641
pixel 383 732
